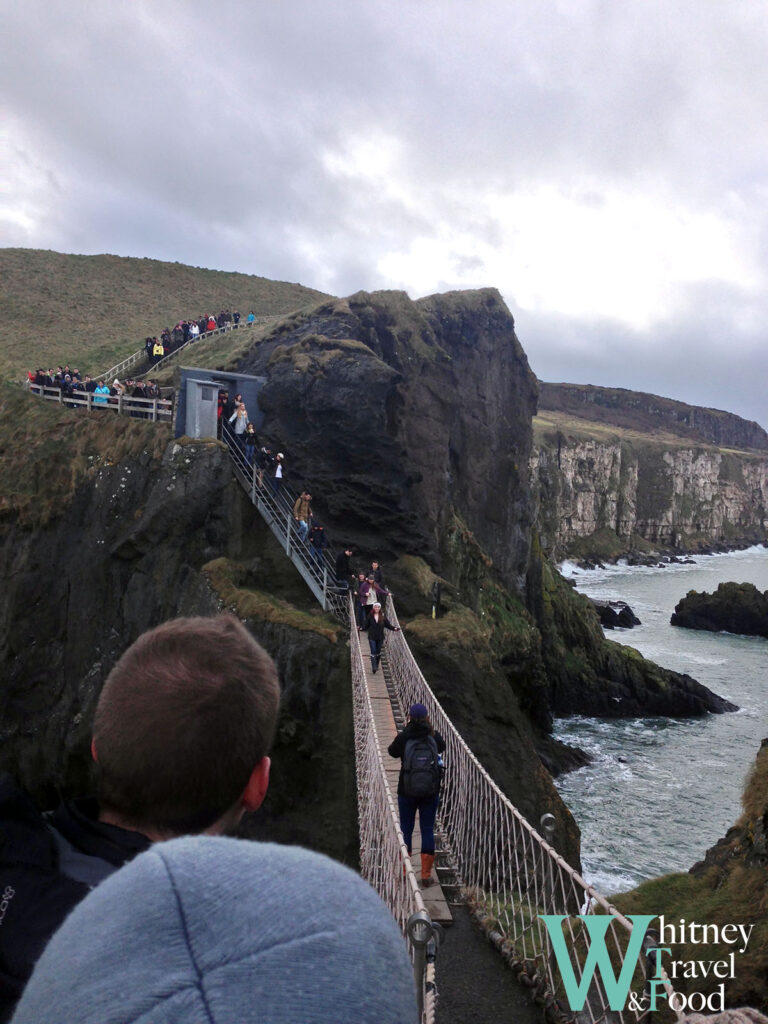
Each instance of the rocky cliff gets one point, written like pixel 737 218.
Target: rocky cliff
pixel 650 413
pixel 728 886
pixel 107 528
pixel 618 490
pixel 410 422
pixel 392 410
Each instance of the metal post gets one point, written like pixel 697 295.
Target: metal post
pixel 420 932
pixel 547 822
pixel 325 587
pixel 288 532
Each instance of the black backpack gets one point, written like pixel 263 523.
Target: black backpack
pixel 421 768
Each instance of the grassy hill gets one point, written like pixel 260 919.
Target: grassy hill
pixel 651 414
pixel 92 311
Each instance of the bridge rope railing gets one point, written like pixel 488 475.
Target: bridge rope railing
pixel 511 875
pixel 384 859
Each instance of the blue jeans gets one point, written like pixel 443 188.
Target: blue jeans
pixel 427 809
pixel 302 527
pixel 375 646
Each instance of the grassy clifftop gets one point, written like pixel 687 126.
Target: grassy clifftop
pixel 92 311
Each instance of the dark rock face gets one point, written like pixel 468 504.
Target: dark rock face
pixel 587 674
pixel 733 608
pixel 615 614
pixel 125 555
pixel 393 411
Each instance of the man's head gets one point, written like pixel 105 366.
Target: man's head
pixel 183 726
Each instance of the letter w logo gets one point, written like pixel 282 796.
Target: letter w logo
pixel 598 957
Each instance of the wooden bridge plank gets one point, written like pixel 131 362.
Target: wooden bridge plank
pixel 386 730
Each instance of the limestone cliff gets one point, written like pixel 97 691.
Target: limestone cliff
pixel 618 491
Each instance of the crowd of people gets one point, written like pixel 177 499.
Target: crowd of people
pixel 75 386
pixel 172 338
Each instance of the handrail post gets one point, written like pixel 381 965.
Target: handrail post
pixel 325 587
pixel 288 532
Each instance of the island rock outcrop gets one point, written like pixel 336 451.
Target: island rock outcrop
pixel 733 608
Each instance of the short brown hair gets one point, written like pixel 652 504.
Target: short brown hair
pixel 183 719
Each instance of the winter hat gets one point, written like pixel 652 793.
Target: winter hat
pixel 418 711
pixel 218 930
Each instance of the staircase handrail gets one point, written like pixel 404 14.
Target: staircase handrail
pixel 277 510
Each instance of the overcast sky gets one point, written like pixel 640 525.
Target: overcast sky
pixel 604 163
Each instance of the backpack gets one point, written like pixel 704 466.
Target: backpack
pixel 421 768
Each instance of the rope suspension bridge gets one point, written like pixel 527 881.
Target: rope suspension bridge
pixel 508 873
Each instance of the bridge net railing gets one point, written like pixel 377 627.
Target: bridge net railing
pixel 384 859
pixel 511 875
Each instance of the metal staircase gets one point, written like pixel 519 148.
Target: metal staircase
pixel 276 509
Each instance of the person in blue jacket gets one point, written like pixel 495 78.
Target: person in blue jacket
pixel 225 931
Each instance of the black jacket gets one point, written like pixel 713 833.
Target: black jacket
pixel 412 731
pixel 48 864
pixel 375 629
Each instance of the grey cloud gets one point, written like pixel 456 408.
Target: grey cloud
pixel 198 132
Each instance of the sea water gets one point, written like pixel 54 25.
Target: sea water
pixel 660 792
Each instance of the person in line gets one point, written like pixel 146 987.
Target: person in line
pixel 318 542
pixel 251 443
pixel 181 737
pixel 265 462
pixel 361 605
pixel 377 623
pixel 371 592
pixel 276 477
pixel 208 928
pixel 377 575
pixel 239 423
pixel 230 405
pixel 302 514
pixel 344 573
pixel 419 747
pixel 99 394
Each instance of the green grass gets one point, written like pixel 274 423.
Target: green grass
pixel 47 451
pixel 225 578
pixel 93 311
pixel 548 424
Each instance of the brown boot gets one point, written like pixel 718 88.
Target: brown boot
pixel 427 862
